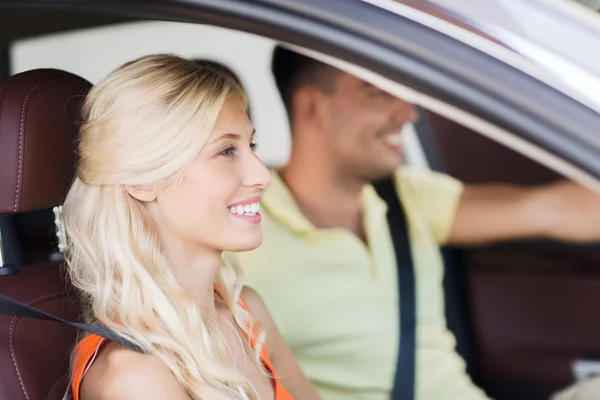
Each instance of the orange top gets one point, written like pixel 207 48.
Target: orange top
pixel 88 349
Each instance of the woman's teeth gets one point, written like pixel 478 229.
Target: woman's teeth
pixel 248 209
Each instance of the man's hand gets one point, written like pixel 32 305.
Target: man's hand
pixel 563 211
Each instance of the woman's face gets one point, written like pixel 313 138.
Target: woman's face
pixel 216 205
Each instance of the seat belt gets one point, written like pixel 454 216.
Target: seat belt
pixel 9 306
pixel 404 381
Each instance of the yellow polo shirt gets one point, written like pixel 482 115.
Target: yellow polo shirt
pixel 335 300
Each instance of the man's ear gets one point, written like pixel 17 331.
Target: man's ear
pixel 307 102
pixel 144 193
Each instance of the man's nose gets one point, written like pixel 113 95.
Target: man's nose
pixel 405 112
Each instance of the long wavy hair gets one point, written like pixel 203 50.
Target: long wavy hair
pixel 144 124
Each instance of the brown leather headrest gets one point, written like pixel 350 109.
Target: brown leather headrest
pixel 38 126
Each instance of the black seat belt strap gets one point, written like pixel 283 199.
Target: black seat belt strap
pixel 404 381
pixel 9 306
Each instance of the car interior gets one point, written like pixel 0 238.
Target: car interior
pixel 522 312
pixel 528 306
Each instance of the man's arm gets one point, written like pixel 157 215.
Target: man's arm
pixel 561 211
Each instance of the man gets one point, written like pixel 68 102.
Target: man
pixel 327 268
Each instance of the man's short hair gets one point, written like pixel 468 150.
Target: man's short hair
pixel 293 71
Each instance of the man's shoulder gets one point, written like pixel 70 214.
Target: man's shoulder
pixel 430 196
pixel 408 173
pixel 411 180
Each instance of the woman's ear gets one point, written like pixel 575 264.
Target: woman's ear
pixel 144 193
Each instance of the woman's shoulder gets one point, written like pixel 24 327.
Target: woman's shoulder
pixel 118 373
pixel 260 314
pixel 251 300
pixel 255 304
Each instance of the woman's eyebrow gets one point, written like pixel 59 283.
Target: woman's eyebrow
pixel 225 136
pixel 234 136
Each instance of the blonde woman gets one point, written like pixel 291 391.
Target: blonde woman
pixel 168 181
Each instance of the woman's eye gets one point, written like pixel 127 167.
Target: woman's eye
pixel 228 152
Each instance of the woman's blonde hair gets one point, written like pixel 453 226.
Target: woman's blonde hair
pixel 145 124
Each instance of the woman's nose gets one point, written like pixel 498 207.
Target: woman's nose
pixel 257 174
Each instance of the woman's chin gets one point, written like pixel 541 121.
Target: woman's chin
pixel 245 244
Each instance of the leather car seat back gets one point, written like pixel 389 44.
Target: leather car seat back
pixel 38 129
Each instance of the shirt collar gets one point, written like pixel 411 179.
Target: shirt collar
pixel 278 201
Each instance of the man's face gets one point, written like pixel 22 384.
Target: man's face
pixel 363 125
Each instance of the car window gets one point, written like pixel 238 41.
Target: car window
pixel 247 55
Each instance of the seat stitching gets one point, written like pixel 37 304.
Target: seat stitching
pixel 12 344
pixel 25 102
